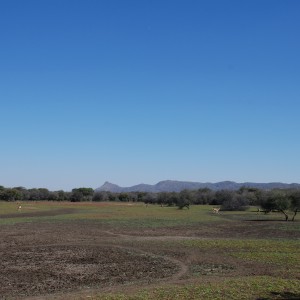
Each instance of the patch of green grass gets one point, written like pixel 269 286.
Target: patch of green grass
pixel 281 252
pixel 251 214
pixel 153 216
pixel 261 287
pixel 117 214
pixel 289 226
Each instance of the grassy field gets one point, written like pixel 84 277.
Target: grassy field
pixel 124 213
pixel 151 252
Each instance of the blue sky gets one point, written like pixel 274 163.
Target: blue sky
pixel 143 91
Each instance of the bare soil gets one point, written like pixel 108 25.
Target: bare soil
pixel 48 213
pixel 63 260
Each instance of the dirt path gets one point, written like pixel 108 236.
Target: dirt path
pixel 183 268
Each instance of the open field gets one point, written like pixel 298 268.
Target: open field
pixel 97 251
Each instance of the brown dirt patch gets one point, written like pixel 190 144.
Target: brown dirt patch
pixel 47 269
pixel 47 213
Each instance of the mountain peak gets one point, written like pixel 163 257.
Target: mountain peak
pixel 109 187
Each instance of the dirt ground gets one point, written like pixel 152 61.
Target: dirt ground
pixel 64 260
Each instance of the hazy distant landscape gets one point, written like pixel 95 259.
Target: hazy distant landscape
pixel 177 186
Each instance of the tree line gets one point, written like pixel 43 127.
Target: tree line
pixel 43 194
pixel 228 200
pixel 272 200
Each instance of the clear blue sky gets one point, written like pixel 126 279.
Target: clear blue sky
pixel 143 91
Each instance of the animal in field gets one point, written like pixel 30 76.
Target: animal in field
pixel 19 207
pixel 216 210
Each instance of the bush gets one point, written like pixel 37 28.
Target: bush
pixel 235 203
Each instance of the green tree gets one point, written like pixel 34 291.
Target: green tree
pixel 235 203
pixel 124 197
pixel 11 195
pixel 44 194
pixel 141 196
pixel 61 195
pixel 34 194
pixel 222 196
pixel 278 201
pixel 204 196
pixel 184 199
pixel 295 203
pixel 82 194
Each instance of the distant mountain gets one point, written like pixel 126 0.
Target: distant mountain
pixel 177 186
pixel 110 187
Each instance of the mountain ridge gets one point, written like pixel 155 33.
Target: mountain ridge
pixel 177 186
